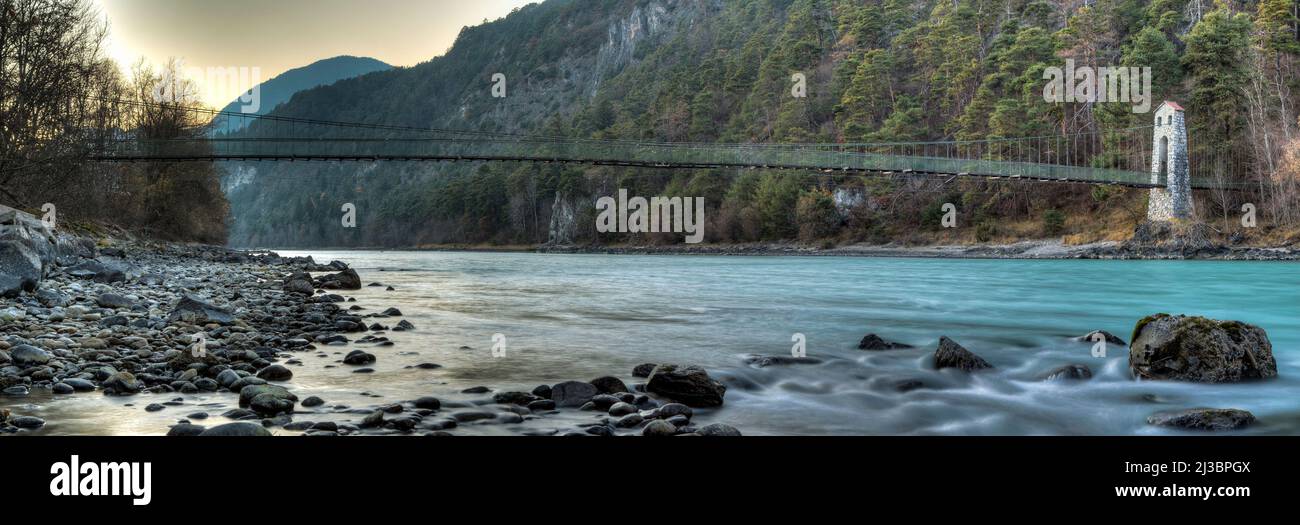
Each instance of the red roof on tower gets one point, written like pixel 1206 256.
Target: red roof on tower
pixel 1172 104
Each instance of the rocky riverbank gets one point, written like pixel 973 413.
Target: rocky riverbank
pixel 162 324
pixel 1150 240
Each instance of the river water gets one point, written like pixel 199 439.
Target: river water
pixel 578 317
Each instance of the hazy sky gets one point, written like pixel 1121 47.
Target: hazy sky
pixel 277 35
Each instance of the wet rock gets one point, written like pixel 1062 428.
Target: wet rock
pixel 358 357
pixel 467 416
pixel 952 355
pixel 659 428
pixel 1101 335
pixel 248 393
pixel 672 410
pixel 193 310
pixel 689 385
pixel 513 398
pixel 153 407
pixel 718 429
pixel 573 393
pixel 476 390
pixel 275 373
pixel 122 383
pixel 1204 419
pixel 403 326
pixel 629 421
pixel 875 342
pixel 621 409
pixel 62 388
pixel 313 401
pixel 542 391
pixel 80 385
pixel 609 385
pixel 239 413
pixel 643 370
pixel 186 429
pixel 393 312
pixel 27 422
pixel 271 403
pixel 1200 350
pixel 603 401
pixel 237 429
pixel 344 280
pixel 428 402
pixel 373 420
pixel 1068 372
pixel 541 405
pixel 600 430
pixel 227 377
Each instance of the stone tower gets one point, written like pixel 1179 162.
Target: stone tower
pixel 1169 166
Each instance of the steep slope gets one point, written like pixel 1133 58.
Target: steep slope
pixel 555 56
pixel 720 70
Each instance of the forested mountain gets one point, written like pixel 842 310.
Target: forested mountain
pixel 720 70
pixel 278 89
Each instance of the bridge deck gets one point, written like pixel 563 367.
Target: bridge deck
pixel 820 158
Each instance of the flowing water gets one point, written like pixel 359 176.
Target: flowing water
pixel 582 316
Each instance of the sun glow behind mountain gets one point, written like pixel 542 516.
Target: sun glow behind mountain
pixel 269 38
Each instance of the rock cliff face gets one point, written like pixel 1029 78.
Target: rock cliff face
pixel 564 221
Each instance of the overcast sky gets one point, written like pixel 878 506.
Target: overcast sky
pixel 277 35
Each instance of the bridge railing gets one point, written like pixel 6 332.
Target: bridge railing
pixel 808 157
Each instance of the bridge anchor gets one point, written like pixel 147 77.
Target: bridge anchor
pixel 1169 167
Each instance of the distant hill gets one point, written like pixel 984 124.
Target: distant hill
pixel 282 87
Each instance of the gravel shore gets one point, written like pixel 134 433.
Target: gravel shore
pixel 163 321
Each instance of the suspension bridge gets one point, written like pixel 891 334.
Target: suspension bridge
pixel 1141 157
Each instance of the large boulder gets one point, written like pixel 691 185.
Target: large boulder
pixel 192 310
pixel 24 228
pixel 688 385
pixel 1203 419
pixel 1199 349
pixel 344 280
pixel 949 354
pixel 20 269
